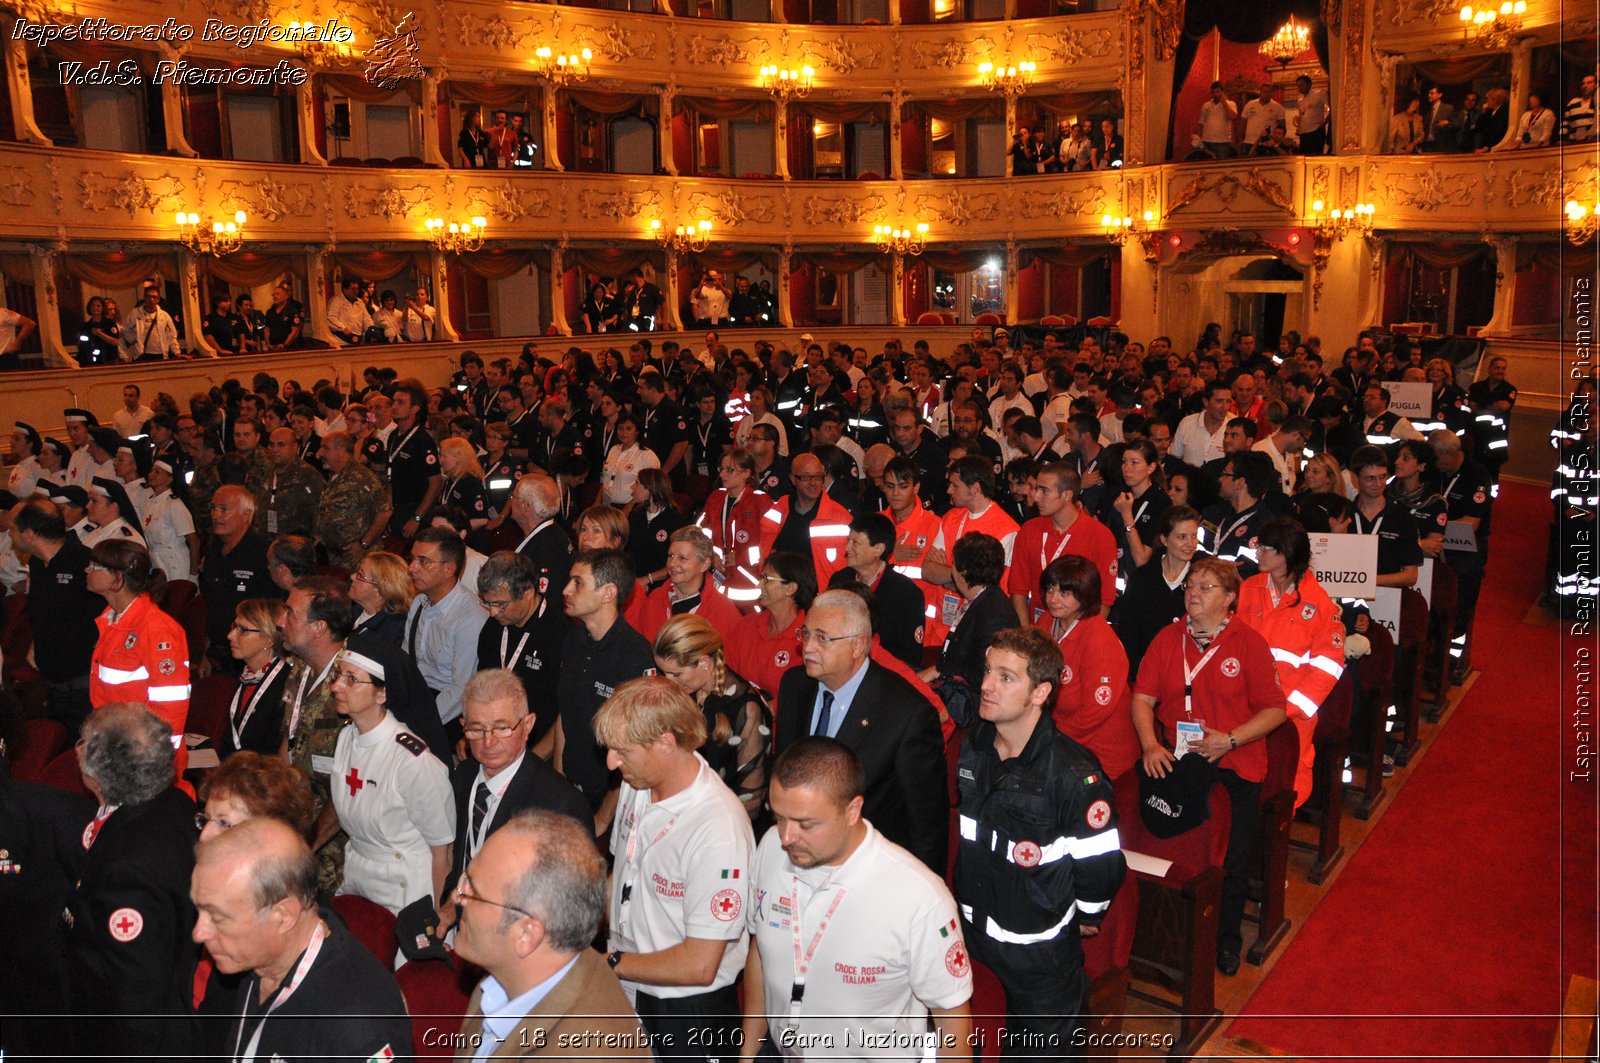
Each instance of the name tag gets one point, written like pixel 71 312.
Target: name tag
pixel 321 765
pixel 1189 735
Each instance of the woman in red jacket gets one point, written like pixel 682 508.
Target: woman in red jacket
pixel 732 518
pixel 1287 605
pixel 142 655
pixel 767 642
pixel 1092 701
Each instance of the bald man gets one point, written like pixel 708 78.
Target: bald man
pixel 808 522
pixel 310 989
pixel 879 455
pixel 288 496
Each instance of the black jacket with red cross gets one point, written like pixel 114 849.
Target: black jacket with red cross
pixel 1038 855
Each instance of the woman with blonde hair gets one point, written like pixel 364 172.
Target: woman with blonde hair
pixel 1322 475
pixel 463 480
pixel 255 715
pixel 382 590
pixel 602 527
pixel 688 651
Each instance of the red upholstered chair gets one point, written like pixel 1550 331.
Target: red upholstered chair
pixel 436 997
pixel 41 742
pixel 935 317
pixel 62 772
pixel 372 925
pixel 1325 807
pixel 193 619
pixel 1175 937
pixel 1408 671
pixel 1271 879
pixel 988 1010
pixel 208 706
pixel 1106 957
pixel 16 633
pixel 1052 321
pixel 1099 322
pixel 1374 691
pixel 177 595
pixel 1441 630
pixel 989 317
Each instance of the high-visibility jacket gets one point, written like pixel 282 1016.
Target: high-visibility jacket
pixel 1306 636
pixel 830 527
pixel 918 531
pixel 143 656
pixel 735 532
pixel 656 609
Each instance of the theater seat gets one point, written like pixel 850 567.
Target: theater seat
pixel 1270 881
pixel 209 698
pixel 1441 630
pixel 1324 809
pixel 62 773
pixel 436 997
pixel 989 317
pixel 1408 672
pixel 40 742
pixel 371 924
pixel 935 317
pixel 1374 689
pixel 1106 957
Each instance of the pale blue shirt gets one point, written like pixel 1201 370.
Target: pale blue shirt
pixel 502 1016
pixel 841 701
pixel 447 644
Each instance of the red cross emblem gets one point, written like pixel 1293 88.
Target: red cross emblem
pixel 126 924
pixel 726 904
pixel 354 781
pixel 1099 814
pixel 1027 854
pixel 955 960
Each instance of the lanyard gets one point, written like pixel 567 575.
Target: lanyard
pixel 285 991
pixel 1223 533
pixel 802 961
pixel 238 723
pixel 1449 487
pixel 629 871
pixel 727 520
pixel 92 831
pixel 962 527
pixel 1190 673
pixel 1062 638
pixel 396 448
pixel 299 697
pixel 1375 524
pixel 1045 561
pixel 505 639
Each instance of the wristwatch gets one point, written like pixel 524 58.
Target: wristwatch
pixel 613 959
pixel 1233 743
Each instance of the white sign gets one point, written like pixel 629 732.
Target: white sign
pixel 1459 535
pixel 1412 401
pixel 1346 565
pixel 1424 585
pixel 1386 611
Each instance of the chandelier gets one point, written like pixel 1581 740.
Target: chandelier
pixel 1117 230
pixel 456 237
pixel 1581 222
pixel 692 237
pixel 787 83
pixel 900 241
pixel 322 45
pixel 1008 79
pixel 562 69
pixel 1291 39
pixel 1336 224
pixel 211 238
pixel 1494 28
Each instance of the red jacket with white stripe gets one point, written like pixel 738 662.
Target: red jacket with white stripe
pixel 143 656
pixel 1306 637
pixel 830 527
pixel 736 540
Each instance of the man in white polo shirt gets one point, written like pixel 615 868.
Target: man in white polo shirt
pixel 855 943
pixel 681 842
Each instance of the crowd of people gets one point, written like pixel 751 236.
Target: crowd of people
pixel 712 620
pixel 1432 123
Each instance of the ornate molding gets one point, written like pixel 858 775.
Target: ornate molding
pixel 1066 203
pixel 102 191
pixel 388 202
pixel 618 206
pixel 717 51
pixel 831 210
pixel 268 199
pixel 1227 187
pixel 730 210
pixel 1430 190
pixel 959 208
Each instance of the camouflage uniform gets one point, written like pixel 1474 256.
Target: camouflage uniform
pixel 292 493
pixel 201 488
pixel 311 745
pixel 258 471
pixel 350 502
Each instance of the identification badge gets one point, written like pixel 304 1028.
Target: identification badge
pixel 272 522
pixel 321 765
pixel 950 611
pixel 719 578
pixel 1190 733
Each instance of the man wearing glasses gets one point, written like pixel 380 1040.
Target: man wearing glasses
pixel 523 635
pixel 501 780
pixel 881 718
pixel 442 627
pixel 531 902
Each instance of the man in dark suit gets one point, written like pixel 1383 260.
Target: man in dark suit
pixel 899 603
pixel 503 778
pixel 880 717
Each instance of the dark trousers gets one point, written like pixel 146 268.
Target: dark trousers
pixel 1468 567
pixel 68 703
pixel 1314 142
pixel 1047 994
pixel 1244 801
pixel 689 1029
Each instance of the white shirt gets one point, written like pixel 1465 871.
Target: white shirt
pixel 390 322
pixel 710 304
pixel 1313 112
pixel 1216 121
pixel 147 333
pixel 115 529
pixel 1055 414
pixel 1000 404
pixel 167 526
pixel 24 476
pixel 417 323
pixel 1285 464
pixel 347 316
pixel 394 802
pixel 741 432
pixel 445 636
pixel 622 469
pixel 82 468
pixel 138 493
pixel 128 423
pixel 891 951
pixel 497 790
pixel 12 570
pixel 1260 117
pixel 684 866
pixel 1193 443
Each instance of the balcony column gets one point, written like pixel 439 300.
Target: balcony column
pixel 897 166
pixel 547 111
pixel 1011 129
pixel 897 290
pixel 777 12
pixel 1139 288
pixel 669 165
pixel 1011 10
pixel 48 309
pixel 894 12
pixel 305 98
pixel 317 293
pixel 1013 285
pixel 558 288
pixel 189 281
pixel 19 89
pixel 444 328
pixel 172 111
pixel 785 312
pixel 672 294
pixel 1521 85
pixel 432 149
pixel 780 138
pixel 1505 282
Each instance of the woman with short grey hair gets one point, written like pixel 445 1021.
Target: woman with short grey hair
pixel 125 755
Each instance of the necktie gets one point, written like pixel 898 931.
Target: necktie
pixel 480 810
pixel 824 717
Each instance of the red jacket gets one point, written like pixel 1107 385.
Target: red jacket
pixel 829 530
pixel 656 610
pixel 143 656
pixel 736 540
pixel 1093 703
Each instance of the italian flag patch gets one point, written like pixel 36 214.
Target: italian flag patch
pixel 384 1053
pixel 948 929
pixel 730 872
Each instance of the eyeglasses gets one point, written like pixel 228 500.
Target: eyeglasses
pixel 241 629
pixel 361 577
pixel 773 579
pixel 424 561
pixel 495 606
pixel 350 679
pixel 466 892
pixel 201 819
pixel 1191 585
pixel 805 476
pixel 503 731
pixel 95 566
pixel 807 635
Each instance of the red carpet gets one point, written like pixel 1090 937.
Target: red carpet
pixel 1445 935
